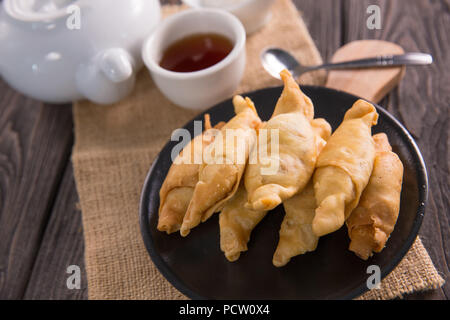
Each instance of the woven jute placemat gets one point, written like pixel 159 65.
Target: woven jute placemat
pixel 115 146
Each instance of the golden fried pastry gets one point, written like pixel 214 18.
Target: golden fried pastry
pixel 219 179
pixel 343 168
pixel 236 224
pixel 296 235
pixel 178 187
pixel 322 132
pixel 373 220
pixel 282 168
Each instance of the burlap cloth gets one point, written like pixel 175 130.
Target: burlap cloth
pixel 115 146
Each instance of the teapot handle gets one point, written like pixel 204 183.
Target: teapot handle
pixel 116 64
pixel 108 77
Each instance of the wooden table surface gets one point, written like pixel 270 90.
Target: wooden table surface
pixel 40 224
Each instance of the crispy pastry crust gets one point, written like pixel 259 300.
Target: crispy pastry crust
pixel 371 223
pixel 344 167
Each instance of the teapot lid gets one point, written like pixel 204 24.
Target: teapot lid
pixel 38 10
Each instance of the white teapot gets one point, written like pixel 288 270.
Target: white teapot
pixel 60 51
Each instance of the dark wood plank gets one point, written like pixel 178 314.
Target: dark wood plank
pixel 62 246
pixel 421 104
pixel 35 142
pixel 324 21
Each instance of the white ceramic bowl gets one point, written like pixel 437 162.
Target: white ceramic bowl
pixel 204 88
pixel 253 14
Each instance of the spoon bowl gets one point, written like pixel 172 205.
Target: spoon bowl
pixel 274 60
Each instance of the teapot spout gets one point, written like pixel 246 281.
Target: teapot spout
pixel 116 64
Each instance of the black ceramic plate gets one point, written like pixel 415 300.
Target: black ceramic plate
pixel 196 266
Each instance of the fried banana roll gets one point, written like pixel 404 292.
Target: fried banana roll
pixel 178 187
pixel 343 168
pixel 219 177
pixel 283 167
pixel 296 235
pixel 373 220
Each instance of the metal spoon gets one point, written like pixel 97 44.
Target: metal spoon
pixel 275 59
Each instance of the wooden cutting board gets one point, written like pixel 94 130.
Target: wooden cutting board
pixel 372 84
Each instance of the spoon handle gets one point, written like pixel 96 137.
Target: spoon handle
pixel 379 61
